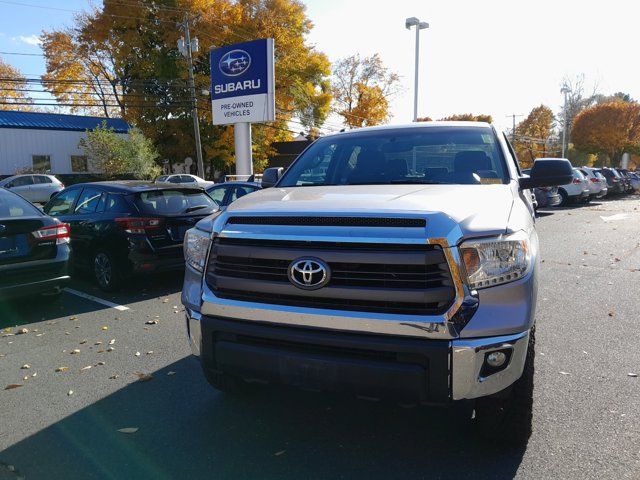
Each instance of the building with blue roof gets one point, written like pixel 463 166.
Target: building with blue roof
pixel 48 142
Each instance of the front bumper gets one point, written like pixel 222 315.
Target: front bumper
pixel 423 371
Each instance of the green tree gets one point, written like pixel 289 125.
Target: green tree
pixel 115 154
pixel 362 88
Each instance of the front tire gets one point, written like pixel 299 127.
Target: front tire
pixel 564 198
pixel 508 419
pixel 106 271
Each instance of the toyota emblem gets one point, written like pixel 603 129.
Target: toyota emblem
pixel 308 273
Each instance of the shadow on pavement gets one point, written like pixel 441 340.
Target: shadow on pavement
pixel 21 311
pixel 187 430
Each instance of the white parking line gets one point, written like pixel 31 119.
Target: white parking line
pixel 121 308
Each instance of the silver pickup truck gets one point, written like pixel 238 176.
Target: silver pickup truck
pixel 392 262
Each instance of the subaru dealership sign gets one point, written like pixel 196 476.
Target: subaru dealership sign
pixel 242 83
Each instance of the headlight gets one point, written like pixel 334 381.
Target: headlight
pixel 196 245
pixel 498 260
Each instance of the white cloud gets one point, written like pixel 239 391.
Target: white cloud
pixel 29 40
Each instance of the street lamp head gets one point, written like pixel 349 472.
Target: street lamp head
pixel 565 90
pixel 423 25
pixel 410 22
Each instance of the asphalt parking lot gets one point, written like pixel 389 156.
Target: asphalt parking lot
pixel 65 424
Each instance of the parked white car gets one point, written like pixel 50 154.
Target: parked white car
pixel 184 178
pixel 597 183
pixel 36 188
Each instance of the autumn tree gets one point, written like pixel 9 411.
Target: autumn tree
pixel 13 86
pixel 609 128
pixel 133 69
pixel 468 117
pixel 362 88
pixel 532 135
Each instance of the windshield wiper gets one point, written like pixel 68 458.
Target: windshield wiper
pixel 416 180
pixel 197 207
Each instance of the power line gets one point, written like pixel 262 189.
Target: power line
pixel 23 53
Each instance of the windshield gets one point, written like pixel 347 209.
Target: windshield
pixel 447 155
pixel 172 202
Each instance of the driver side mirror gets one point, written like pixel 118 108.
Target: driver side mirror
pixel 271 176
pixel 549 172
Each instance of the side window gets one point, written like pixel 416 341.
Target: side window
pixel 187 179
pixel 513 154
pixel 41 179
pixel 240 192
pixel 174 179
pixel 62 203
pixel 88 201
pixel 116 204
pixel 23 181
pixel 217 194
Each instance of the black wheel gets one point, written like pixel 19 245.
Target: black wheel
pixel 507 418
pixel 106 271
pixel 564 198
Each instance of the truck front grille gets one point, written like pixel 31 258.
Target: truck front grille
pixel 401 279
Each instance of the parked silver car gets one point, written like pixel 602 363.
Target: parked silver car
pixel 597 183
pixel 576 191
pixel 186 179
pixel 36 188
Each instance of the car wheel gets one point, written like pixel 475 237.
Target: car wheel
pixel 106 272
pixel 511 415
pixel 564 198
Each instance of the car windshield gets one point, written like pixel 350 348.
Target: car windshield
pixel 442 154
pixel 172 202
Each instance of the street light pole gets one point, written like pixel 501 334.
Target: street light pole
pixel 414 22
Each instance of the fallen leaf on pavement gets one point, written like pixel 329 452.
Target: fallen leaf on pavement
pixel 25 378
pixel 101 363
pixel 82 342
pixel 110 349
pixel 112 341
pixel 34 374
pixel 11 386
pixel 166 300
pixel 62 369
pixel 85 368
pixel 612 313
pixel 632 374
pixel 137 354
pixel 565 373
pixel 98 343
pixel 74 318
pixel 105 327
pixel 113 377
pixel 151 322
pixel 150 352
pixel 70 392
pixel 143 377
pixel 22 331
pixel 26 366
pixel 74 351
pixel 129 430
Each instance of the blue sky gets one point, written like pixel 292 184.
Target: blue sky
pixel 497 57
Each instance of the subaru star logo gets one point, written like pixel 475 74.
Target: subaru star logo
pixel 235 63
pixel 309 273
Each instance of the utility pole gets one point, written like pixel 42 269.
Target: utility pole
pixel 186 48
pixel 564 90
pixel 513 130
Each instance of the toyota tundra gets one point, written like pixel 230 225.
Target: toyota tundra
pixel 395 262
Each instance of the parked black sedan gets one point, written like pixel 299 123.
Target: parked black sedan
pixel 123 228
pixel 34 249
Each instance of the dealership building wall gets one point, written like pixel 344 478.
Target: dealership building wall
pixel 31 141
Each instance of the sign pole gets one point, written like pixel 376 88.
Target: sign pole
pixel 242 138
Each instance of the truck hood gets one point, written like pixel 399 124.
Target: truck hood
pixel 469 209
